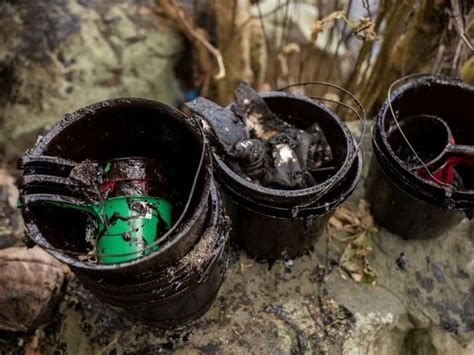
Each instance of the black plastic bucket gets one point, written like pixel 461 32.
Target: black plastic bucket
pixel 273 224
pixel 401 200
pixel 177 283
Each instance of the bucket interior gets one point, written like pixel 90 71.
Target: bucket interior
pixel 427 135
pixel 448 100
pixel 303 114
pixel 123 128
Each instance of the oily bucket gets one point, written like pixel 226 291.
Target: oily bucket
pixel 401 200
pixel 274 224
pixel 177 283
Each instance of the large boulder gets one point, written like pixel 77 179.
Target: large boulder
pixel 57 56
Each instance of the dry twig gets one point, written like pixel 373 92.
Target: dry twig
pixel 174 11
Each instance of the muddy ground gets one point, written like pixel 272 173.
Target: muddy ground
pixel 422 302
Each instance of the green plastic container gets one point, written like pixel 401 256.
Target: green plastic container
pixel 125 225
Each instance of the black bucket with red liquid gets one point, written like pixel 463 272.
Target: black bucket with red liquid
pixel 423 195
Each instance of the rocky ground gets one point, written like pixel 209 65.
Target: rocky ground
pixel 418 300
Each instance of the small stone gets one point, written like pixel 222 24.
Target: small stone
pixel 402 261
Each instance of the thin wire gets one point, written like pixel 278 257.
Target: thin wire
pixel 362 120
pixel 389 99
pixel 354 156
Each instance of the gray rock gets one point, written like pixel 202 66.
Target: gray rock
pixel 58 56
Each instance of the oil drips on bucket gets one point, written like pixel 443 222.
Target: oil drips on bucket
pixel 262 147
pixel 126 200
pixel 174 285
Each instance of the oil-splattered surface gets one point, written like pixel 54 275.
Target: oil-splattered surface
pixel 421 302
pixel 419 298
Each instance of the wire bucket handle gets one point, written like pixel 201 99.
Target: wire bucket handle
pixel 150 247
pixel 362 117
pixel 396 84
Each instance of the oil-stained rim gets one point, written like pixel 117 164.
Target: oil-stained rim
pixel 315 209
pixel 82 113
pixel 270 193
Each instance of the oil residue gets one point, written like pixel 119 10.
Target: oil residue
pixel 262 147
pixel 98 187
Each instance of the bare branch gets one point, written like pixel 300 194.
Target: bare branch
pixel 173 10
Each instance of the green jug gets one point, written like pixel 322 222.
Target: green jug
pixel 125 226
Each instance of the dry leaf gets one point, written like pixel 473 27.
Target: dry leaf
pixel 319 25
pixel 365 29
pixel 336 223
pixel 291 47
pixel 358 228
pixel 346 215
pixel 346 221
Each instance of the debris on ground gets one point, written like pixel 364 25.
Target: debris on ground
pixel 281 314
pixel 288 264
pixel 319 274
pixel 354 230
pixel 332 322
pixel 261 146
pixel 402 261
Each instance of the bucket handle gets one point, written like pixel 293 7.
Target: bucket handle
pixel 173 227
pixel 451 189
pixel 60 201
pixel 361 117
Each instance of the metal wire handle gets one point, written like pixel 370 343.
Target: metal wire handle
pixel 395 119
pixel 362 119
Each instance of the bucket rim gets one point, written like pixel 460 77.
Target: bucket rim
pixel 314 210
pixel 424 80
pixel 270 193
pixel 172 113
